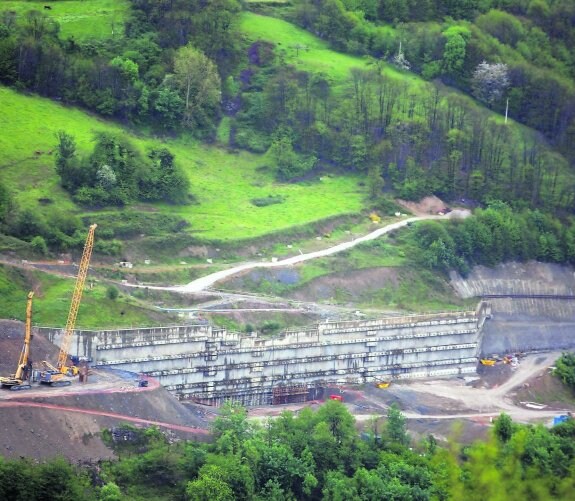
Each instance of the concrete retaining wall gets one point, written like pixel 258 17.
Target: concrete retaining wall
pixel 211 364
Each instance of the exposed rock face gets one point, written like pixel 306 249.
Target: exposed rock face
pixel 524 323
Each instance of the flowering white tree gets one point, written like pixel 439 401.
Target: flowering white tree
pixel 490 81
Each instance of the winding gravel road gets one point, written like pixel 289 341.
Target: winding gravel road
pixel 203 283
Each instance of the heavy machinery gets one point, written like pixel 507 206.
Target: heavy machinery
pixel 51 373
pixel 20 379
pixel 52 376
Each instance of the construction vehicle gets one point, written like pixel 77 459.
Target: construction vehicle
pixel 63 367
pixel 52 376
pixel 20 379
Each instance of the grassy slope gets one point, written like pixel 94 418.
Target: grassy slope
pixel 223 183
pixel 77 18
pixel 309 53
pixel 52 302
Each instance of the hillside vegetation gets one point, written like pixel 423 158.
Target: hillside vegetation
pixel 316 454
pixel 203 123
pixel 222 207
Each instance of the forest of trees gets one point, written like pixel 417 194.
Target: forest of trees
pixel 449 39
pixel 315 455
pixel 180 66
pixel 491 236
pixel 116 174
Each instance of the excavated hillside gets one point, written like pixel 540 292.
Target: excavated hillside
pixel 533 305
pixel 45 422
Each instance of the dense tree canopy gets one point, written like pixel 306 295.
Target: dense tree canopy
pixel 116 173
pixel 314 455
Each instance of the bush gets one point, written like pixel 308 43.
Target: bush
pixel 112 292
pixel 39 245
pixel 565 369
pixel 108 247
pixel 269 200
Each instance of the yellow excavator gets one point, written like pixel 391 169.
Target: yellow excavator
pixel 54 375
pixel 20 379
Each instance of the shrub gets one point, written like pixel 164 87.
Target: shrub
pixel 112 292
pixel 269 200
pixel 39 245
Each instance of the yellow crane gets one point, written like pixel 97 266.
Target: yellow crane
pixel 50 375
pixel 19 380
pixel 75 305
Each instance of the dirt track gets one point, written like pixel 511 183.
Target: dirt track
pixel 204 282
pixel 479 402
pixel 121 417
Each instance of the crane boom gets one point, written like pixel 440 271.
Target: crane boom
pixel 76 298
pixel 18 380
pixel 24 354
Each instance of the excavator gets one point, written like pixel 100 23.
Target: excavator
pixel 20 379
pixel 54 376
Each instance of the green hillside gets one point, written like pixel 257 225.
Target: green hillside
pixel 222 183
pixel 78 19
pixel 276 129
pixel 52 302
pixel 306 51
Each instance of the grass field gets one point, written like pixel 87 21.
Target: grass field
pixel 223 183
pixel 78 18
pixel 52 302
pixel 309 53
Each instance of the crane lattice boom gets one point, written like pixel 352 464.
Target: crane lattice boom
pixel 76 298
pixel 24 354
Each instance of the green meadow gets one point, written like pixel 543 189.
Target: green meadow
pixel 309 53
pixel 77 18
pixel 222 183
pixel 53 296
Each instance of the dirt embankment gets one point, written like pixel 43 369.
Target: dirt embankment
pixel 45 422
pixel 12 341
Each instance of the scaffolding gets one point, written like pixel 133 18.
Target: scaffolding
pixel 289 394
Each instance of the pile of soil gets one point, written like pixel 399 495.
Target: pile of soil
pixel 426 206
pixel 12 341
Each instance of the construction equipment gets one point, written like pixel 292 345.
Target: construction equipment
pixel 20 379
pixel 63 367
pixel 52 376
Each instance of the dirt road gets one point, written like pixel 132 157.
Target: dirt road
pixel 121 417
pixel 488 402
pixel 202 283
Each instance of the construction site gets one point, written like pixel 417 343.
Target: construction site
pixel 210 365
pixel 465 365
